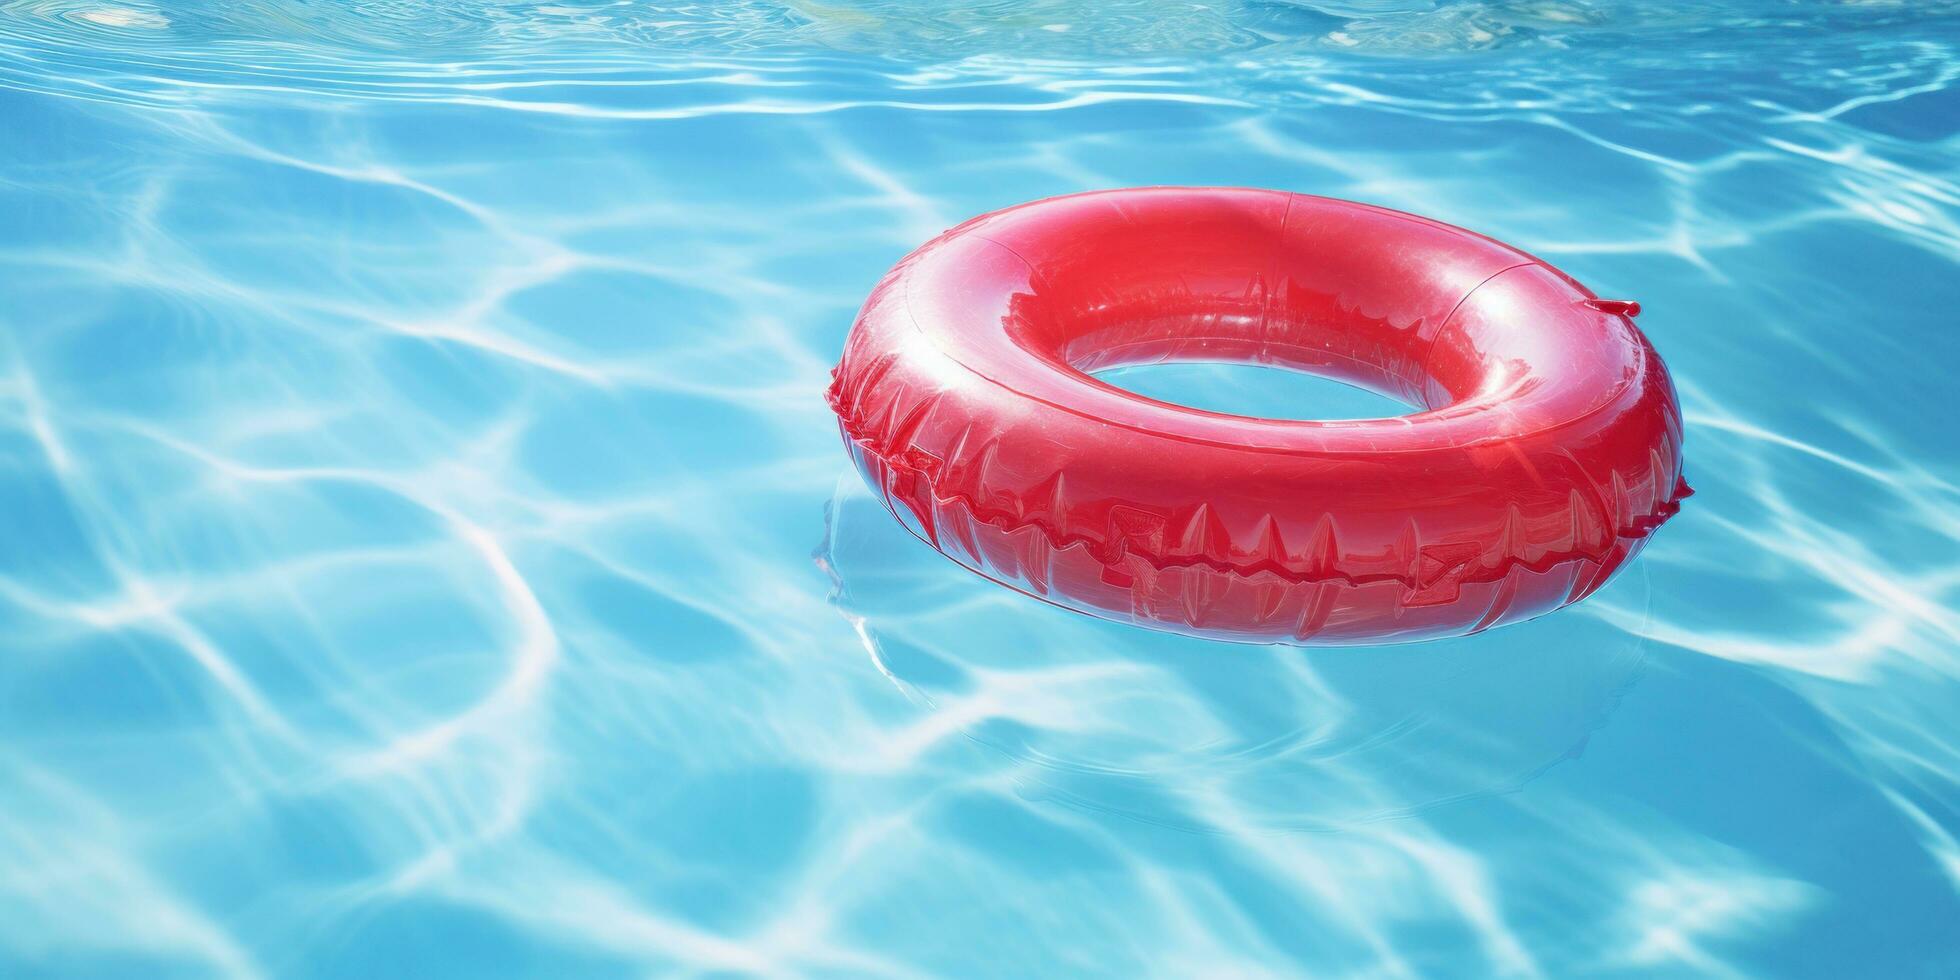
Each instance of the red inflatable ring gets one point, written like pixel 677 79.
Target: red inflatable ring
pixel 1546 451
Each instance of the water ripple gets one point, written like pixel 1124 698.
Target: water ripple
pixel 412 450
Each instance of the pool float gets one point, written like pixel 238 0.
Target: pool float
pixel 1547 447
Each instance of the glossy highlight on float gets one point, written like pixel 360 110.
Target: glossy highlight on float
pixel 1546 451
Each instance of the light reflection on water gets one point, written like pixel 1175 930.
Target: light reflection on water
pixel 412 452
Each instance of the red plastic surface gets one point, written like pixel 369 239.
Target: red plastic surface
pixel 1547 450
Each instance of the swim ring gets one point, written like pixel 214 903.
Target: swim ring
pixel 1545 452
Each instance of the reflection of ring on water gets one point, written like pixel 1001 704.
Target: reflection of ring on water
pixel 1171 729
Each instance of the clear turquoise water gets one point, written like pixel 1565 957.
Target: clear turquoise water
pixel 424 550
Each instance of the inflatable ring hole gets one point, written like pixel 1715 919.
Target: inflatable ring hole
pixel 1429 315
pixel 1254 391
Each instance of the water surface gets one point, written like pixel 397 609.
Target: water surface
pixel 424 549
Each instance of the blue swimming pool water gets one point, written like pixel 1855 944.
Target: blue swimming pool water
pixel 424 549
